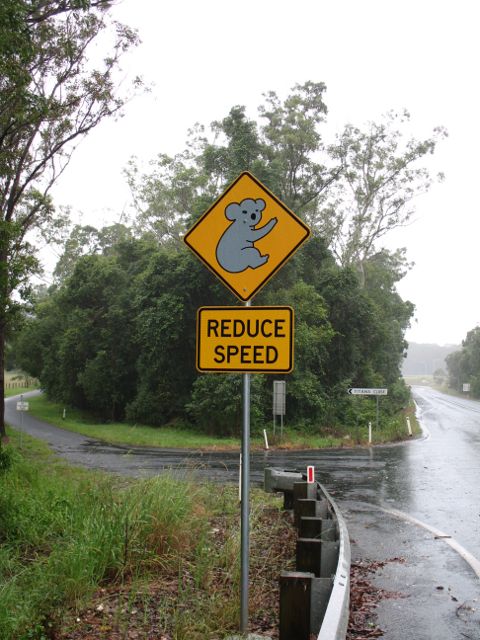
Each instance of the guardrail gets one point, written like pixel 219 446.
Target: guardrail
pixel 314 599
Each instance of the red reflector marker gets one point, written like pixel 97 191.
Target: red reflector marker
pixel 310 475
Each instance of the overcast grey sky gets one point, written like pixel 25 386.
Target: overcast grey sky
pixel 204 57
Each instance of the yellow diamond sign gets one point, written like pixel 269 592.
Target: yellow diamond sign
pixel 246 236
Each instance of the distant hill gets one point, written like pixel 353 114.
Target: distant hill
pixel 424 359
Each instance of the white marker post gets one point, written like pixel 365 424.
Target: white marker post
pixel 369 433
pixel 240 479
pixel 409 427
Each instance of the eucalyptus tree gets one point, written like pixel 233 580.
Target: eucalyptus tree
pixel 51 96
pixel 283 147
pixel 88 240
pixel 382 176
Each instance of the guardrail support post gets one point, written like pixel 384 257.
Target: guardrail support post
pixel 295 605
pixel 288 500
pixel 319 528
pixel 318 556
pixel 303 602
pixel 309 555
pixel 303 491
pixel 307 508
pixel 304 508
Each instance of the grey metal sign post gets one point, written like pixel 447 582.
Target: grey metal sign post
pixel 245 504
pixel 22 406
pixel 225 244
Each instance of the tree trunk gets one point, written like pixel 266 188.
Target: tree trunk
pixel 360 269
pixel 3 433
pixel 3 324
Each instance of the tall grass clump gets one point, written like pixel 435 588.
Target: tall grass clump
pixel 64 532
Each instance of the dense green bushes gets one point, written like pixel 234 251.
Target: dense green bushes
pixel 116 335
pixel 117 338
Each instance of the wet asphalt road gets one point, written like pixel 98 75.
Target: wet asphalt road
pixel 415 506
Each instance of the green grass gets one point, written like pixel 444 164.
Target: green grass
pixel 297 439
pixel 121 433
pixel 167 436
pixel 391 429
pixel 70 538
pixel 8 393
pixel 64 531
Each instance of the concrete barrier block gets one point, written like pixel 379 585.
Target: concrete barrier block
pixel 280 479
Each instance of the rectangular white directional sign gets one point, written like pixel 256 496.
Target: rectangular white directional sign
pixel 368 392
pixel 22 406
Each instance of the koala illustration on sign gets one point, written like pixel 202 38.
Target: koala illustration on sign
pixel 235 250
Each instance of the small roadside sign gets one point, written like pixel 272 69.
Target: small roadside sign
pixel 466 387
pixel 279 397
pixel 22 406
pixel 367 392
pixel 246 236
pixel 253 339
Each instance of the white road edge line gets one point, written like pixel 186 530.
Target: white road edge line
pixel 456 546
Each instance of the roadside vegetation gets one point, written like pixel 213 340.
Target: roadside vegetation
pixel 183 436
pixel 86 554
pixel 463 366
